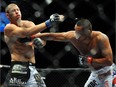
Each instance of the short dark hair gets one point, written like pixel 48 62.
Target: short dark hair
pixel 85 23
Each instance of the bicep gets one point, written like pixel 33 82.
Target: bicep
pixel 14 30
pixel 59 36
pixel 105 47
pixel 21 31
pixel 29 24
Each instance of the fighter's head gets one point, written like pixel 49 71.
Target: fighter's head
pixel 13 12
pixel 83 27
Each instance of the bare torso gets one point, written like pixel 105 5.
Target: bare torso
pixel 89 47
pixel 20 51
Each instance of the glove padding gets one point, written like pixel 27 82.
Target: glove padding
pixel 54 18
pixel 38 43
pixel 85 60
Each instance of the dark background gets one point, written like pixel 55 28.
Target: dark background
pixel 101 13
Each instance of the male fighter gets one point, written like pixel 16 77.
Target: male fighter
pixel 16 34
pixel 95 51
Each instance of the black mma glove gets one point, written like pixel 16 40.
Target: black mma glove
pixel 38 43
pixel 85 60
pixel 54 18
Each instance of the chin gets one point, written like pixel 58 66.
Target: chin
pixel 18 19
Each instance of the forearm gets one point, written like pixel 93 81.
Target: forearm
pixel 35 29
pixel 51 36
pixel 45 36
pixel 54 18
pixel 101 61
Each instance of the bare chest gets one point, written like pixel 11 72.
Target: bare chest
pixel 91 48
pixel 20 49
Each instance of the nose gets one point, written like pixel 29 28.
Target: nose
pixel 16 12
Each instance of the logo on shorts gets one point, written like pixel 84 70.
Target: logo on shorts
pixel 19 69
pixel 16 82
pixel 92 84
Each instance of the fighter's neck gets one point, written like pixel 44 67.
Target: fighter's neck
pixel 18 22
pixel 85 40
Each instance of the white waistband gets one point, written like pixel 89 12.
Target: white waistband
pixel 103 70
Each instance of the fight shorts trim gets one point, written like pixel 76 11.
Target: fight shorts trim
pixel 18 74
pixel 103 70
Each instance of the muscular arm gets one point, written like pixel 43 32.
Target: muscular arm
pixel 64 36
pixel 106 50
pixel 13 30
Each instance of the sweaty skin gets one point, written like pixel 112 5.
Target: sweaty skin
pixel 96 45
pixel 18 28
pixel 20 51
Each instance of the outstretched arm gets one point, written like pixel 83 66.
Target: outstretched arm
pixel 63 36
pixel 13 30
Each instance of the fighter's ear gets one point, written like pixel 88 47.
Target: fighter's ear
pixel 7 15
pixel 89 31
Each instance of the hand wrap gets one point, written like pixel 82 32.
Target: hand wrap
pixel 85 60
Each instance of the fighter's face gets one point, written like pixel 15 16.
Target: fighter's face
pixel 77 31
pixel 14 13
pixel 81 32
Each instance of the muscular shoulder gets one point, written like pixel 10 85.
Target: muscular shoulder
pixel 9 27
pixel 101 36
pixel 69 34
pixel 27 23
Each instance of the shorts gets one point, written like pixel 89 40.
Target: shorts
pixel 23 74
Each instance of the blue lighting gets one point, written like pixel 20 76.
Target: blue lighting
pixel 3 21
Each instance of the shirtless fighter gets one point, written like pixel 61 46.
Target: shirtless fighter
pixel 22 72
pixel 95 51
